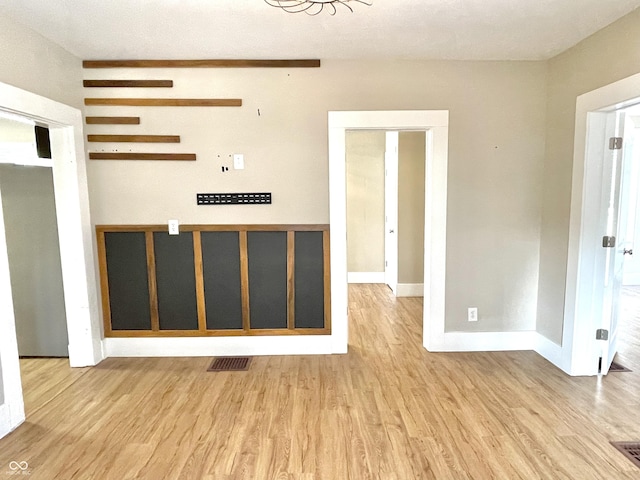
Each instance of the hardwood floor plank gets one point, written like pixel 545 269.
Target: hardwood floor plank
pixel 386 410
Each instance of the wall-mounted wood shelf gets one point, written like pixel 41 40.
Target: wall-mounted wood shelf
pixel 127 83
pixel 135 138
pixel 113 120
pixel 304 63
pixel 166 102
pixel 141 156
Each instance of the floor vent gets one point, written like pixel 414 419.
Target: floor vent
pixel 631 450
pixel 230 364
pixel 616 367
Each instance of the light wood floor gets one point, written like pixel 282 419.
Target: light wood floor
pixel 387 410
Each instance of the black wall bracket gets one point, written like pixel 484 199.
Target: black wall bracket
pixel 233 198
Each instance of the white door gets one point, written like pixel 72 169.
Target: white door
pixel 615 200
pixel 391 211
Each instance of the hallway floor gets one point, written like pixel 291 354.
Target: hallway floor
pixel 388 410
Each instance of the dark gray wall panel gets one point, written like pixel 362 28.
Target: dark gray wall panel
pixel 175 277
pixel 267 252
pixel 128 281
pixel 309 280
pixel 221 272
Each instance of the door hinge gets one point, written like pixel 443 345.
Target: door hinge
pixel 615 143
pixel 602 334
pixel 386 264
pixel 608 242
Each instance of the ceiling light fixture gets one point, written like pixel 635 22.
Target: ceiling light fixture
pixel 314 7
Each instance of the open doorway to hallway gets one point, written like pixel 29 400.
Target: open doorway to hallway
pixel 386 209
pixel 28 205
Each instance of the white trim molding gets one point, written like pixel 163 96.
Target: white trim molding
pixel 436 125
pixel 483 341
pixel 410 290
pixel 218 346
pixel 365 277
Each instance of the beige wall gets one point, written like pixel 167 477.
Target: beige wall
pixel 31 62
pixel 365 201
pixel 496 147
pixel 411 164
pixel 607 56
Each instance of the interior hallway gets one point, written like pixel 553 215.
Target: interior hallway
pixel 387 410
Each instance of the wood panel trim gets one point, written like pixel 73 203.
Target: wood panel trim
pixel 166 102
pixel 217 333
pixel 153 287
pixel 291 296
pixel 104 282
pixel 135 138
pixel 221 63
pixel 326 252
pixel 127 83
pixel 141 156
pixel 112 120
pixel 244 281
pixel 199 273
pixel 217 228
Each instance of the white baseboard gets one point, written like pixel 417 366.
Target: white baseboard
pixel 500 341
pixel 365 277
pixel 218 346
pixel 10 419
pixel 410 290
pixel 549 350
pixel 482 341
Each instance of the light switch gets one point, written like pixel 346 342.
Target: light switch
pixel 238 161
pixel 174 228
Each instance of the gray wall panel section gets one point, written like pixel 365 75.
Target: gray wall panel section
pixel 309 280
pixel 175 277
pixel 221 271
pixel 128 281
pixel 267 252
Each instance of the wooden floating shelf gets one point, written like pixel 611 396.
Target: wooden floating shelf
pixel 135 138
pixel 166 102
pixel 140 156
pixel 305 63
pixel 127 83
pixel 113 120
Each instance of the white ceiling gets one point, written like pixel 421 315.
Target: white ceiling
pixel 424 29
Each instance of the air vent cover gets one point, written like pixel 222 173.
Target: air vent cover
pixel 230 364
pixel 631 450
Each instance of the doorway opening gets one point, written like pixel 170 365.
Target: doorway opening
pixel 28 204
pixel 385 209
pixel 596 239
pixel 76 249
pixel 435 124
pixel 627 353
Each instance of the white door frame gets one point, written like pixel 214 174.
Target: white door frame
pixel 391 210
pixel 76 249
pixel 436 125
pixel 578 336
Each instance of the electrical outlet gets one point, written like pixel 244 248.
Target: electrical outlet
pixel 174 228
pixel 238 161
pixel 472 314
